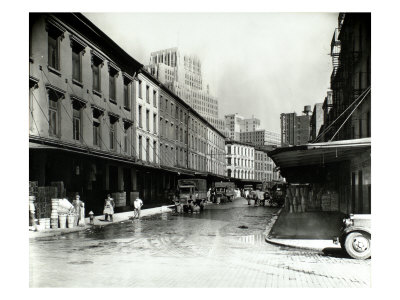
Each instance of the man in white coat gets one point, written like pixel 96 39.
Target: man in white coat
pixel 137 204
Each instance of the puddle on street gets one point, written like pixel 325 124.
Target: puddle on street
pixel 225 221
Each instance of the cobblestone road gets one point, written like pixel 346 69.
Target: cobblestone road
pixel 221 247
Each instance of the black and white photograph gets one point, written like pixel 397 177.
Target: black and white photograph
pixel 199 149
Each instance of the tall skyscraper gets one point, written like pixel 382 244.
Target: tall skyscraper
pixel 182 74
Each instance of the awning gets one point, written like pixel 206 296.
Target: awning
pixel 319 153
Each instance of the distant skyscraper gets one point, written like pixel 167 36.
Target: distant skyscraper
pixel 233 123
pixel 182 74
pixel 295 130
pixel 251 124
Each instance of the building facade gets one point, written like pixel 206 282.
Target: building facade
pixel 100 123
pixel 251 124
pixel 317 120
pixel 342 180
pixel 146 120
pixel 260 137
pixel 351 101
pixel 216 163
pixel 295 130
pixel 182 73
pixel 233 123
pixel 239 160
pixel 82 110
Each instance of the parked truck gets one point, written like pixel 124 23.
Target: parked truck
pixel 225 190
pixel 192 192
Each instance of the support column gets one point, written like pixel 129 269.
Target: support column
pixel 121 184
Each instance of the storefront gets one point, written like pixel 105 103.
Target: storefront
pixel 330 176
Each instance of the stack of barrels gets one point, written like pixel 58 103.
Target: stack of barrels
pixel 54 213
pixel 32 210
pixel 44 223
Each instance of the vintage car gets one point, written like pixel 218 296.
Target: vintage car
pixel 355 237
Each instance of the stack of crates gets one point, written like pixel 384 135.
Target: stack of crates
pixel 33 188
pixel 43 201
pixel 61 191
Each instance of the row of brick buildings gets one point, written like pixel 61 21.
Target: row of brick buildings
pixel 100 123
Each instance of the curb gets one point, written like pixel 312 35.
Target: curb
pixel 121 217
pixel 319 245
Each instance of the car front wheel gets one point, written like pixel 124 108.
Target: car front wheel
pixel 358 245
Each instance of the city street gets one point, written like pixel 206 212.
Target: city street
pixel 223 246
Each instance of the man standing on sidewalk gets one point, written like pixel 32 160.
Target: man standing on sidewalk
pixel 137 204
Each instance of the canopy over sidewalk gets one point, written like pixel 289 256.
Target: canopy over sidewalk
pixel 319 153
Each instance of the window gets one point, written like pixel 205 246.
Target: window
pixel 154 151
pixel 96 67
pixel 76 116
pixel 154 98
pixel 54 97
pixel 127 94
pixel 154 123
pixel 147 120
pixel 161 127
pixel 160 104
pixel 127 125
pixel 140 89
pixel 147 94
pixel 77 64
pixel 140 147
pixel 140 116
pixel 113 84
pixel 147 149
pixel 177 133
pixel 112 133
pixel 54 36
pixel 96 127
pixel 53 116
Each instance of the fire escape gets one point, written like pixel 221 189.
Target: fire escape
pixel 348 82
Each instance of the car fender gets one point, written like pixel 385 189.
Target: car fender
pixel 355 228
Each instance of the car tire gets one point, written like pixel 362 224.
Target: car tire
pixel 358 245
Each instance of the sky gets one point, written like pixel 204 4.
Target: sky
pixel 257 64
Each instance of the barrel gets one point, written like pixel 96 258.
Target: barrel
pixel 62 218
pixel 54 204
pixel 54 222
pixel 44 223
pixel 71 221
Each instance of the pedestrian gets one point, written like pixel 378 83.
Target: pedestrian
pixel 137 204
pixel 213 195
pixel 209 195
pixel 79 207
pixel 109 205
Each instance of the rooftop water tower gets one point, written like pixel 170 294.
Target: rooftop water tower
pixel 307 109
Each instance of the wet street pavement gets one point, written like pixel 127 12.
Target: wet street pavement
pixel 222 246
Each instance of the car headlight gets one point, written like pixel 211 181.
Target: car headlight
pixel 348 222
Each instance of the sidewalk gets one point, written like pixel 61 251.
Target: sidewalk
pixel 309 230
pixel 99 221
